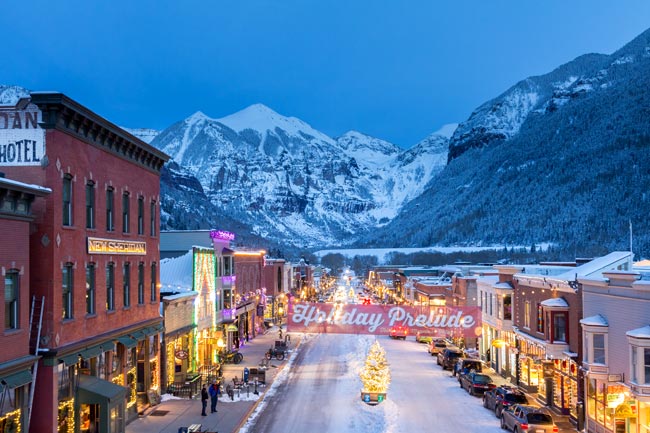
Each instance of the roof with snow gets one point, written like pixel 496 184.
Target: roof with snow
pixel 597 320
pixel 555 302
pixel 639 332
pixel 177 273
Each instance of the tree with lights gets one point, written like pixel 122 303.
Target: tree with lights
pixel 375 375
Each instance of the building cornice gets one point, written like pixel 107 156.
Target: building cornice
pixel 61 113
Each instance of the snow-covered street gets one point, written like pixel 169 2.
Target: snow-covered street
pixel 320 392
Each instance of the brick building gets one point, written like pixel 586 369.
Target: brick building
pixel 95 239
pixel 17 359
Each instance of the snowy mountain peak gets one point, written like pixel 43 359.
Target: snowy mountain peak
pixel 366 148
pixel 197 117
pixel 446 130
pixel 262 119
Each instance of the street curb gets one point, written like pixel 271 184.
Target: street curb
pixel 259 401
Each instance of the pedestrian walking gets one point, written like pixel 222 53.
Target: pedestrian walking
pixel 214 392
pixel 204 401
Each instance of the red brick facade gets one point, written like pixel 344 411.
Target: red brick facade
pixel 96 331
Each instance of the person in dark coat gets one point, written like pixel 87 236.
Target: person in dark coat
pixel 204 400
pixel 214 396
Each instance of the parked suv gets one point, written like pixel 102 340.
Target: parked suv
pixel 501 397
pixel 521 418
pixel 448 357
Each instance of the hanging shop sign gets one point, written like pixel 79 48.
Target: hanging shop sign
pixel 22 141
pixel 112 246
pixel 181 354
pixel 379 319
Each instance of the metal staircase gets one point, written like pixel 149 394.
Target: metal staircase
pixel 35 325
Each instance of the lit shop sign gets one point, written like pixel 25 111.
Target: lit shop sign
pixel 22 141
pixel 111 246
pixel 379 319
pixel 222 235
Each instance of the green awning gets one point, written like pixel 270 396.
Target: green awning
pixel 71 359
pixel 138 335
pixel 17 379
pixel 91 352
pixel 153 330
pixel 93 390
pixel 127 341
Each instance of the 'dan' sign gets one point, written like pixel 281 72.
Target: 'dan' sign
pixel 22 141
pixel 379 319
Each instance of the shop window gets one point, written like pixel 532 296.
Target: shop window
pixel 125 213
pixel 527 314
pixel 152 219
pixel 67 200
pixel 90 288
pixel 598 344
pixel 141 283
pixel 110 209
pixel 140 215
pixel 110 287
pixel 12 291
pixel 126 284
pixel 90 205
pixel 646 365
pixel 507 307
pixel 154 282
pixel 633 359
pixel 67 291
pixel 559 327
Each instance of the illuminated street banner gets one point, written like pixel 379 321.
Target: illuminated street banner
pixel 379 319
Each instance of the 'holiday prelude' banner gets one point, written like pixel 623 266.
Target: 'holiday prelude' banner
pixel 379 319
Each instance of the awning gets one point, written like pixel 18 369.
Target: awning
pixel 17 379
pixel 153 330
pixel 138 335
pixel 93 390
pixel 127 341
pixel 91 352
pixel 499 343
pixel 71 359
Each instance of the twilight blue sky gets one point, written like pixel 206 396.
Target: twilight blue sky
pixel 394 69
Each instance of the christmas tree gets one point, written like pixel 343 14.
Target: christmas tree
pixel 375 375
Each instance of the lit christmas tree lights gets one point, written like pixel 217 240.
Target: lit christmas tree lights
pixel 375 375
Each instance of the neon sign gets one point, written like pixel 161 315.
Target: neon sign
pixel 222 235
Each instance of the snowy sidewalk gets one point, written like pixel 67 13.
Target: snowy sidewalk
pixel 173 413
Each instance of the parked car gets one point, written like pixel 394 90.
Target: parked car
pixel 398 332
pixel 476 383
pixel 502 397
pixel 523 418
pixel 423 338
pixel 465 365
pixel 437 345
pixel 448 357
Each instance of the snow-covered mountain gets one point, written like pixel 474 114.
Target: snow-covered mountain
pixel 145 134
pixel 9 95
pixel 558 158
pixel 292 183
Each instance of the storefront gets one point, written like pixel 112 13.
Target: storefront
pixel 612 408
pixel 565 386
pixel 529 366
pixel 14 393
